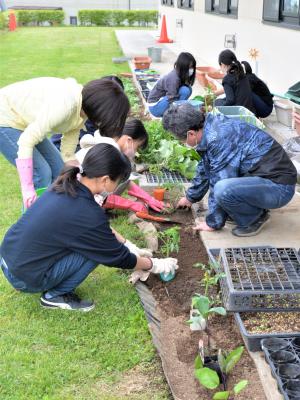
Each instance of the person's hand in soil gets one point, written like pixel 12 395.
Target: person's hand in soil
pixel 202 226
pixel 184 203
pixel 136 250
pixel 164 266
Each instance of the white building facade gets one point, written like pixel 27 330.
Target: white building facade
pixel 272 27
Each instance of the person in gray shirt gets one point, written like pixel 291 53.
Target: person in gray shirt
pixel 176 85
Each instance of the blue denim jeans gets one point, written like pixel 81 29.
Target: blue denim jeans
pixel 262 109
pixel 63 277
pixel 245 199
pixel 158 110
pixel 47 161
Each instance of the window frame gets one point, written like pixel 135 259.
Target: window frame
pixel 224 8
pixel 279 16
pixel 182 4
pixel 167 3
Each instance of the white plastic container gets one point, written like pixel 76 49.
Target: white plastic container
pixel 283 110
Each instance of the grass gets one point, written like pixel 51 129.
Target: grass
pixel 56 355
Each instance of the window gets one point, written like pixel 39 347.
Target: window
pixel 167 3
pixel 222 7
pixel 187 4
pixel 284 12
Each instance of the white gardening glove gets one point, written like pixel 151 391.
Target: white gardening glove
pixel 164 266
pixel 136 250
pixel 139 276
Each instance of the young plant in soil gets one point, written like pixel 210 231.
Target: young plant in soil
pixel 170 239
pixel 211 277
pixel 175 191
pixel 212 378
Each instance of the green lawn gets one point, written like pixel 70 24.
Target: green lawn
pixel 106 354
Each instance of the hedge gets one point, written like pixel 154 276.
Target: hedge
pixel 4 15
pixel 39 17
pixel 118 17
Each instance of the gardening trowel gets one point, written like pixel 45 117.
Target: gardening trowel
pixel 144 215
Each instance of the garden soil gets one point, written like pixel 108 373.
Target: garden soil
pixel 179 344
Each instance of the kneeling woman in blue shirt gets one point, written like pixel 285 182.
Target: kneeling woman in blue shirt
pixel 64 235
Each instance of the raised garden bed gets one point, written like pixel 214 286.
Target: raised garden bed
pixel 167 307
pixel 257 326
pixel 283 356
pixel 260 279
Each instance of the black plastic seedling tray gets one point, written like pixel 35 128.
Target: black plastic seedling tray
pixel 166 177
pixel 253 340
pixel 260 279
pixel 283 356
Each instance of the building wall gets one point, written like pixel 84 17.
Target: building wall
pixel 203 35
pixel 71 7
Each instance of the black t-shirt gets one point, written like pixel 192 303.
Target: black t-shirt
pixel 238 92
pixel 260 88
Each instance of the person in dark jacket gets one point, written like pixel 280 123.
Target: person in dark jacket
pixel 261 95
pixel 176 85
pixel 235 83
pixel 64 235
pixel 245 170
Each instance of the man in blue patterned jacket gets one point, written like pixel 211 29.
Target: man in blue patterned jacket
pixel 245 170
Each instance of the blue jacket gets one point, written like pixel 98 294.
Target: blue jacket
pixel 231 148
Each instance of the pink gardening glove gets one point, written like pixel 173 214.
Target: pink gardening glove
pixel 114 201
pixel 136 191
pixel 25 170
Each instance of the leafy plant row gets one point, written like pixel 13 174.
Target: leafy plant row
pixel 164 151
pixel 118 17
pixel 38 17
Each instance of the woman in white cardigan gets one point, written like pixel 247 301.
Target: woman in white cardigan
pixel 31 110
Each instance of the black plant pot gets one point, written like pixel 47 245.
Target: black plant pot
pixel 289 371
pixel 292 388
pixel 275 344
pixel 296 343
pixel 212 363
pixel 283 357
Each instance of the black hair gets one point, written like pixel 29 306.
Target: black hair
pixel 114 78
pixel 106 106
pixel 102 159
pixel 247 67
pixel 228 58
pixel 181 118
pixel 184 62
pixel 136 130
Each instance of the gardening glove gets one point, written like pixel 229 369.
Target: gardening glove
pixel 164 266
pixel 139 276
pixel 136 250
pixel 25 170
pixel 118 202
pixel 139 193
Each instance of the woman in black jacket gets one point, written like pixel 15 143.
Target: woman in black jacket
pixel 261 95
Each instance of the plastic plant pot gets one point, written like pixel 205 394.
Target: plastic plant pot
pixel 275 344
pixel 159 193
pixel 289 371
pixel 292 388
pixel 198 323
pixel 283 357
pixel 168 277
pixel 142 62
pixel 296 344
pixel 212 363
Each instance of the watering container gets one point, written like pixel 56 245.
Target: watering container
pixel 155 53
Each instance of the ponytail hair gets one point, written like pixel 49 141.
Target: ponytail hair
pixel 227 57
pixel 247 67
pixel 102 159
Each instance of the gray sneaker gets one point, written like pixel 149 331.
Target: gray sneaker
pixel 253 229
pixel 68 301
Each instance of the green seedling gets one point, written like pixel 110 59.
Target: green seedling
pixel 210 379
pixel 170 239
pixel 210 278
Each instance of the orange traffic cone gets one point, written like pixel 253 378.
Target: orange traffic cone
pixel 163 33
pixel 12 22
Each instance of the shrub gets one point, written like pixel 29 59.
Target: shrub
pixel 117 17
pixel 4 15
pixel 39 17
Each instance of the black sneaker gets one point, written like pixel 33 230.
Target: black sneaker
pixel 253 229
pixel 68 301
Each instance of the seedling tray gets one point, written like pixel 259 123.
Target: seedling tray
pixel 260 279
pixel 150 181
pixel 253 340
pixel 286 373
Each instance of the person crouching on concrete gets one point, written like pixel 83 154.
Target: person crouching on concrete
pixel 245 170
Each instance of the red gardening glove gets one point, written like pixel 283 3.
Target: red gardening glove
pixel 136 191
pixel 118 202
pixel 25 170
